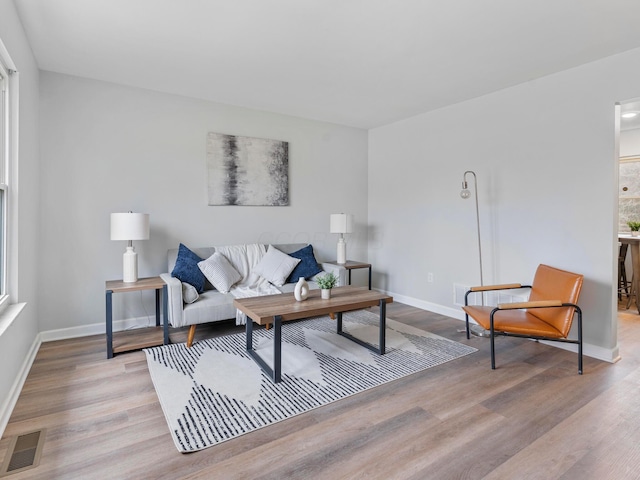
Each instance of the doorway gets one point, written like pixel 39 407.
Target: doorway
pixel 628 146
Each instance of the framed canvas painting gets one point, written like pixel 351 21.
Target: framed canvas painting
pixel 247 170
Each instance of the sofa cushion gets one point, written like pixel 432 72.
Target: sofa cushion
pixel 276 266
pixel 308 266
pixel 219 272
pixel 189 293
pixel 186 268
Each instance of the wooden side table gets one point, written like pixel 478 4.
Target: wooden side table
pixel 126 341
pixel 352 265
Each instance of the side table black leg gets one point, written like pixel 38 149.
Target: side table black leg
pixel 383 325
pixel 109 324
pixel 339 322
pixel 369 277
pixel 165 314
pixel 157 307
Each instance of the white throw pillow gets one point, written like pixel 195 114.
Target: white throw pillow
pixel 189 293
pixel 276 266
pixel 219 272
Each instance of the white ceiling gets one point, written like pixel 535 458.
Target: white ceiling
pixel 362 63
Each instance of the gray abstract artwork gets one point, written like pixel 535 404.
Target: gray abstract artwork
pixel 247 171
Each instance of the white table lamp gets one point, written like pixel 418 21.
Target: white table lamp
pixel 130 226
pixel 341 223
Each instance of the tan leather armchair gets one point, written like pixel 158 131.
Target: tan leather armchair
pixel 548 315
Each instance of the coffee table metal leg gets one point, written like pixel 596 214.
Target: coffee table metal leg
pixel 249 334
pixel 275 372
pixel 277 348
pixel 382 338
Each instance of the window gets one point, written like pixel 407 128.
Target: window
pixel 4 175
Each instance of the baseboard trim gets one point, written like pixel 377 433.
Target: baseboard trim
pixel 94 329
pixel 611 355
pixel 16 388
pixel 456 313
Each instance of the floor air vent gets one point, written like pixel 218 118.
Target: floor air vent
pixel 23 453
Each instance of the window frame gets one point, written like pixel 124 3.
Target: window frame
pixel 6 133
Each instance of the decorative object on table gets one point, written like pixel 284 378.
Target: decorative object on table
pixel 634 226
pixel 214 391
pixel 341 223
pixel 326 282
pixel 465 193
pixel 247 171
pixel 301 290
pixel 130 226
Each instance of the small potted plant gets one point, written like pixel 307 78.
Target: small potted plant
pixel 634 226
pixel 326 283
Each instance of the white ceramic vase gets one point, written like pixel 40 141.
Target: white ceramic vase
pixel 325 293
pixel 301 291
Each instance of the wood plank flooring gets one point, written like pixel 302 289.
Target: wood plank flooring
pixel 533 417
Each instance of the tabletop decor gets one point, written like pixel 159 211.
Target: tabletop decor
pixel 341 223
pixel 326 282
pixel 130 226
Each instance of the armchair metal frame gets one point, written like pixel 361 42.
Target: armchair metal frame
pixel 520 306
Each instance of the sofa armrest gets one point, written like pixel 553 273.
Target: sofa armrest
pixel 339 271
pixel 174 298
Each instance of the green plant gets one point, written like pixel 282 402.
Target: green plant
pixel 327 281
pixel 634 226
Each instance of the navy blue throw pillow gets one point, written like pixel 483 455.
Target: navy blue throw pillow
pixel 187 270
pixel 308 266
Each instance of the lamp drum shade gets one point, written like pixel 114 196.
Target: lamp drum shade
pixel 340 223
pixel 129 226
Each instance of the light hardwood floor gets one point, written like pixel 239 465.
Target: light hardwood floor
pixel 533 417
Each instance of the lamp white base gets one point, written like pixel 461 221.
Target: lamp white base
pixel 130 266
pixel 342 251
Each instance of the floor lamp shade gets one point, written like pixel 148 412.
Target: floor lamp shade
pixel 341 223
pixel 130 226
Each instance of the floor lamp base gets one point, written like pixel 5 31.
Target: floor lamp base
pixel 478 331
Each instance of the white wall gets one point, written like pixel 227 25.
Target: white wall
pixel 544 153
pixel 17 342
pixel 108 148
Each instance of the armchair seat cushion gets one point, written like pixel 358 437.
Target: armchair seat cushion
pixel 520 322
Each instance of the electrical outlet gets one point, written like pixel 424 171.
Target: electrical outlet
pixel 429 277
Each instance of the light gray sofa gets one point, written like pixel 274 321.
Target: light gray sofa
pixel 213 305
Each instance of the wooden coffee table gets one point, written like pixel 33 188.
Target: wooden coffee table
pixel 283 307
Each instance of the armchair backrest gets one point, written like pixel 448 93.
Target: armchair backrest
pixel 552 283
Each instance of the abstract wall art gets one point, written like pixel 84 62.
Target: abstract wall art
pixel 247 170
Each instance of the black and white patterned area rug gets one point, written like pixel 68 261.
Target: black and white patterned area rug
pixel 214 391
